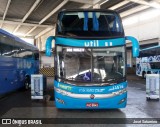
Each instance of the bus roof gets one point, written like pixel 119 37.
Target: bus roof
pixel 18 39
pixel 150 48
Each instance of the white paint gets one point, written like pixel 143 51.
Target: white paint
pixel 143 26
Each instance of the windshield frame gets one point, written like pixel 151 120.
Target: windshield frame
pixel 91 83
pixel 93 37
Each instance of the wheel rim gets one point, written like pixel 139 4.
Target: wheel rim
pixel 26 85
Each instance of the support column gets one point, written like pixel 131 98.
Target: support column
pixel 39 44
pixel 34 42
pixel 159 41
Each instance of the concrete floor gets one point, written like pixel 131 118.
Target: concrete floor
pixel 19 105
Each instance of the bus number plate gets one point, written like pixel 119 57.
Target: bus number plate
pixel 92 105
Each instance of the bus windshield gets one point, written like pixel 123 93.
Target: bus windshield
pixel 96 65
pixel 89 24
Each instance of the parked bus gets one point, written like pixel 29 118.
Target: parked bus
pixel 148 61
pixel 90 59
pixel 18 60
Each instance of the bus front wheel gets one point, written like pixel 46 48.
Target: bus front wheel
pixel 144 75
pixel 26 84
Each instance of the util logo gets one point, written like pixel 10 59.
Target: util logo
pixel 95 43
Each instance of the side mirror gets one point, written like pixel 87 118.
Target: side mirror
pixel 49 45
pixel 135 45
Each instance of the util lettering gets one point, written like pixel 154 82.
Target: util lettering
pixel 95 43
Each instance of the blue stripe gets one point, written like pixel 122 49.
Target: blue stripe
pixel 85 26
pixel 95 22
pixel 89 43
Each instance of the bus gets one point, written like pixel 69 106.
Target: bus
pixel 18 60
pixel 148 61
pixel 90 59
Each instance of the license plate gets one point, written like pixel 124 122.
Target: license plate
pixel 92 105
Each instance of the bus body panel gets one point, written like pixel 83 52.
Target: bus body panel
pixel 13 72
pixel 73 103
pixel 62 100
pixel 13 68
pixel 80 102
pixel 145 63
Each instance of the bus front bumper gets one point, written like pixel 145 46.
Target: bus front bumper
pixel 109 102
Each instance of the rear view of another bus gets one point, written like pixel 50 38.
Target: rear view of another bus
pixel 148 61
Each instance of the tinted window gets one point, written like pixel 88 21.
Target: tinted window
pixel 6 50
pixel 150 52
pixel 97 24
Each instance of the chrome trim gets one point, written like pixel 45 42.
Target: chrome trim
pixel 87 96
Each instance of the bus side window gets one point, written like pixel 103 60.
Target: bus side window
pixel 21 53
pixel 157 51
pixel 6 50
pixel 28 54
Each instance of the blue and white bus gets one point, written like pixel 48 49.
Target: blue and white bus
pixel 18 60
pixel 90 59
pixel 148 61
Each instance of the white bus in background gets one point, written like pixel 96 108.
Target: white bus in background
pixel 148 61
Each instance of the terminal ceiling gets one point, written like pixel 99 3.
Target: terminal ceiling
pixel 33 18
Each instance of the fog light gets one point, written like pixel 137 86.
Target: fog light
pixel 121 101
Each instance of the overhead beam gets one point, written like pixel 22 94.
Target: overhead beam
pixel 30 31
pixel 153 4
pixel 49 15
pixel 28 13
pixel 44 32
pixel 86 6
pixel 83 1
pixel 99 1
pixel 53 11
pixel 29 37
pixel 119 5
pixel 5 12
pixel 25 24
pixel 133 10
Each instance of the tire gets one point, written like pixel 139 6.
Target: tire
pixel 144 75
pixel 148 98
pixel 26 84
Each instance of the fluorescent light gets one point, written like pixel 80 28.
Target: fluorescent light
pixel 18 34
pixel 104 2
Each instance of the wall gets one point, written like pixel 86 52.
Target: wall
pixel 144 26
pixel 40 42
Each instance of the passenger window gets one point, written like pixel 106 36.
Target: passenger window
pixel 28 54
pixel 6 50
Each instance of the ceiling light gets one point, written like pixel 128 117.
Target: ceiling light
pixel 104 2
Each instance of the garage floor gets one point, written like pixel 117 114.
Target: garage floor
pixel 19 105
